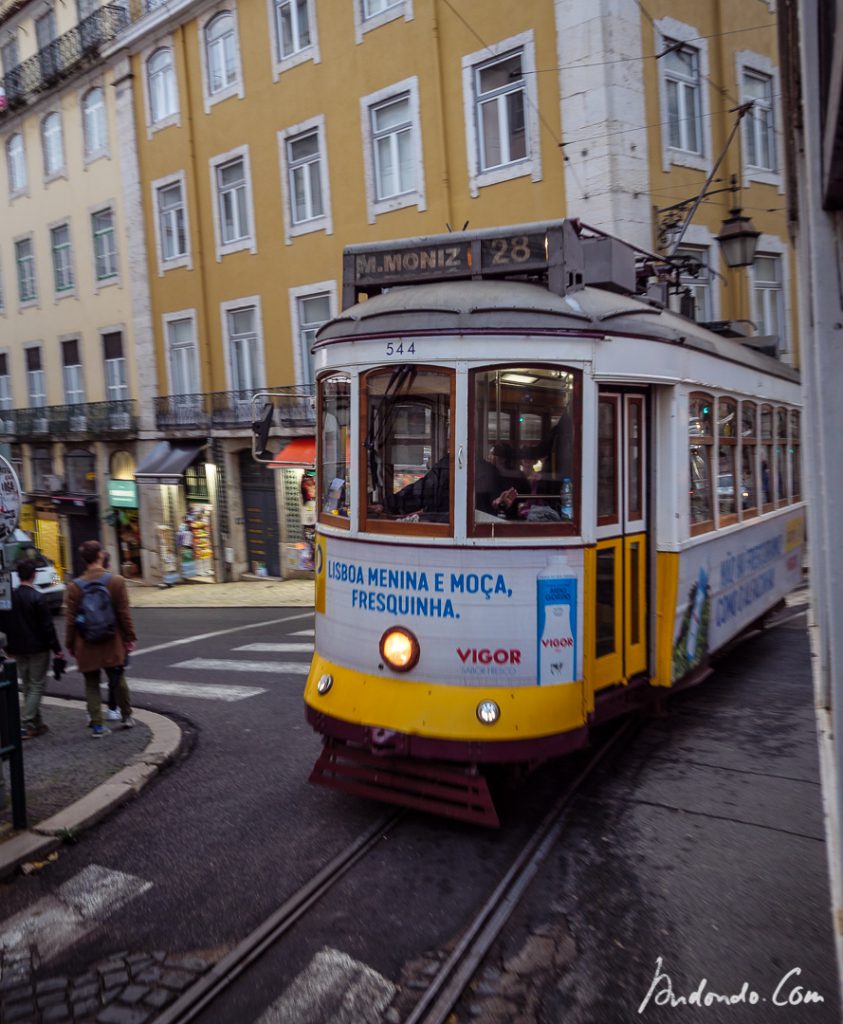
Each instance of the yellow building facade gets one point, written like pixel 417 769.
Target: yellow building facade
pixel 259 137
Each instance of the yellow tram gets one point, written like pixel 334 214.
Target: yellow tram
pixel 541 495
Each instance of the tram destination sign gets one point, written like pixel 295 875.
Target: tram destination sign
pixel 442 258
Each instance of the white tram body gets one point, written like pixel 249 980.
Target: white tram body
pixel 606 493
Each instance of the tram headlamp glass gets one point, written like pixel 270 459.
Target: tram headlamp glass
pixel 488 712
pixel 399 649
pixel 324 684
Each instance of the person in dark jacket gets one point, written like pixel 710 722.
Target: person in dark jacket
pixel 31 636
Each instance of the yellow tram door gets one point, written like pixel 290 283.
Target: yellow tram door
pixel 620 621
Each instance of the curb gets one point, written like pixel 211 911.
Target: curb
pixel 39 840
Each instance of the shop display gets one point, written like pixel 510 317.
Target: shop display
pixel 193 539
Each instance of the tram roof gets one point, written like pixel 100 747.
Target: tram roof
pixel 472 307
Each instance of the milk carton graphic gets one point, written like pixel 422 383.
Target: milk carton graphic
pixel 696 614
pixel 556 615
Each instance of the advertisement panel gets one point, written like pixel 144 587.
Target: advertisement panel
pixel 482 617
pixel 728 582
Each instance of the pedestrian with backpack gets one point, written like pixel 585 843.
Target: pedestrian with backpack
pixel 100 632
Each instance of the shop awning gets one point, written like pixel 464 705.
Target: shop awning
pixel 300 453
pixel 167 462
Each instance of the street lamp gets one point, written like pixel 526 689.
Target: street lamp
pixel 738 239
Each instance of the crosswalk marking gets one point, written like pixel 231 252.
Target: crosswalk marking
pixel 204 691
pixel 293 668
pixel 304 632
pixel 276 648
pixel 57 921
pixel 332 989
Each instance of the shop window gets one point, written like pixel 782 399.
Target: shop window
pixel 196 483
pixel 334 496
pixel 727 450
pixel 42 468
pixel 527 482
pixel 700 448
pixel 749 460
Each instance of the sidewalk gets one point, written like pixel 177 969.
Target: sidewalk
pixel 72 780
pixel 244 594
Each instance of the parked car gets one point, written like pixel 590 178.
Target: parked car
pixel 47 579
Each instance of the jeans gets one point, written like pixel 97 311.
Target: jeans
pixel 32 672
pixel 94 700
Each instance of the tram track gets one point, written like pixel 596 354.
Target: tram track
pixel 476 938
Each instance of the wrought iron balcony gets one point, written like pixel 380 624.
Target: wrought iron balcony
pixel 59 59
pixel 68 422
pixel 232 410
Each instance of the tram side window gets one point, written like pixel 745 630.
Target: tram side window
pixel 335 448
pixel 408 447
pixel 766 457
pixel 781 456
pixel 700 448
pixel 727 442
pixel 795 466
pixel 525 454
pixel 749 460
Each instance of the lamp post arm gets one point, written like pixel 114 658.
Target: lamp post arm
pixel 741 111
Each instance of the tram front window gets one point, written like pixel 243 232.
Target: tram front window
pixel 524 448
pixel 407 445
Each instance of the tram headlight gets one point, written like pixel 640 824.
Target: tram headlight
pixel 399 649
pixel 324 684
pixel 488 712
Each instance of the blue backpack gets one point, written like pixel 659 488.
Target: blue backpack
pixel 95 619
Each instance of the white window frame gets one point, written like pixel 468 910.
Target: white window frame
pixel 418 198
pixel 7 392
pixel 307 291
pixel 175 317
pixel 33 300
pixel 32 396
pixel 23 187
pixel 750 62
pixel 531 166
pixel 60 170
pixel 185 259
pixel 2 291
pixel 310 52
pixel 113 279
pixel 248 243
pixel 225 309
pixel 92 153
pixel 363 23
pixel 679 32
pixel 697 236
pixel 64 367
pixel 70 291
pixel 125 387
pixel 771 245
pixel 174 118
pixel 236 87
pixel 325 221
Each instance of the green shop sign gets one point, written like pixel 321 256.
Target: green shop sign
pixel 122 494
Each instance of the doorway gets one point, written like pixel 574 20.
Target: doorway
pixel 621 613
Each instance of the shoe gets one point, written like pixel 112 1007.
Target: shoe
pixel 29 732
pixel 128 722
pixel 98 731
pixel 113 715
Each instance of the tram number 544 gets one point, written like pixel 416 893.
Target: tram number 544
pixel 398 348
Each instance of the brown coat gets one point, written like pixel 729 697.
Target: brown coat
pixel 111 653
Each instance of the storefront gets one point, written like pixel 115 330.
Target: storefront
pixel 125 515
pixel 296 462
pixel 181 488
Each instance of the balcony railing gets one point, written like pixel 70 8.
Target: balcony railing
pixel 61 58
pixel 232 410
pixel 84 421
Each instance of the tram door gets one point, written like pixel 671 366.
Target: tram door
pixel 621 556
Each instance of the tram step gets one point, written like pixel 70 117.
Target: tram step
pixel 435 787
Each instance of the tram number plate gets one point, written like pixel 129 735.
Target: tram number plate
pixel 508 252
pixel 400 348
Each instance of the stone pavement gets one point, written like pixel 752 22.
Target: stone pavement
pixel 254 593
